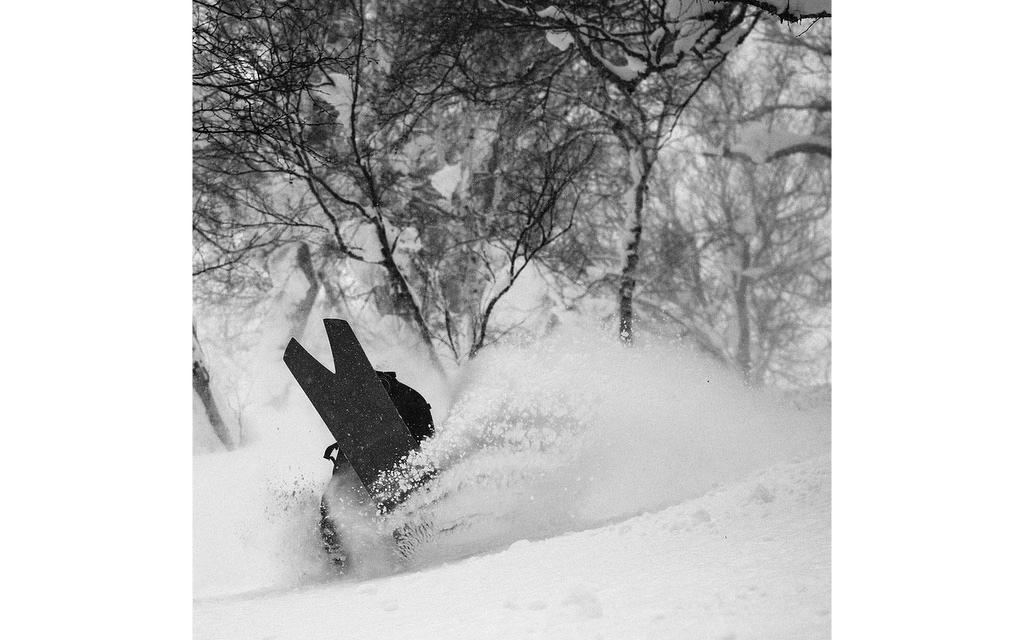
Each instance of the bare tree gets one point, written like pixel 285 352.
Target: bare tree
pixel 343 157
pixel 742 261
pixel 650 61
pixel 325 126
pixel 286 92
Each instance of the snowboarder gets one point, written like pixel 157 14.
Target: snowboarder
pixel 415 412
pixel 376 421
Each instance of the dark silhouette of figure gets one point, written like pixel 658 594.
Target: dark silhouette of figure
pixel 415 412
pixel 413 408
pixel 358 415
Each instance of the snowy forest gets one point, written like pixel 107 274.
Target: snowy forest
pixel 595 235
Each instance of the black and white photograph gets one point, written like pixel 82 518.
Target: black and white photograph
pixel 511 319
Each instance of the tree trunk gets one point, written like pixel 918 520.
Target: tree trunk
pixel 640 168
pixel 488 198
pixel 743 356
pixel 300 315
pixel 201 386
pixel 405 303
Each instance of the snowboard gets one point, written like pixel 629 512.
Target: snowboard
pixel 355 407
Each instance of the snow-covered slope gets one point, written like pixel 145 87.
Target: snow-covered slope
pixel 584 489
pixel 750 560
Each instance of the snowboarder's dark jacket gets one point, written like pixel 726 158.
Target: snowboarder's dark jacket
pixel 411 406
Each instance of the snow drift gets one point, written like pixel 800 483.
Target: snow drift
pixel 564 434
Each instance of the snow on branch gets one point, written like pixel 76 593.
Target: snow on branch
pixel 821 106
pixel 758 143
pixel 791 10
pixel 639 39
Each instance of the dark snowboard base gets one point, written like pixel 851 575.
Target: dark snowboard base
pixel 355 406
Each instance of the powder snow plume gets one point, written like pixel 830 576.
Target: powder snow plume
pixel 567 433
pixel 575 431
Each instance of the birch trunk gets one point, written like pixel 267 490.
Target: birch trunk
pixel 201 386
pixel 743 356
pixel 640 171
